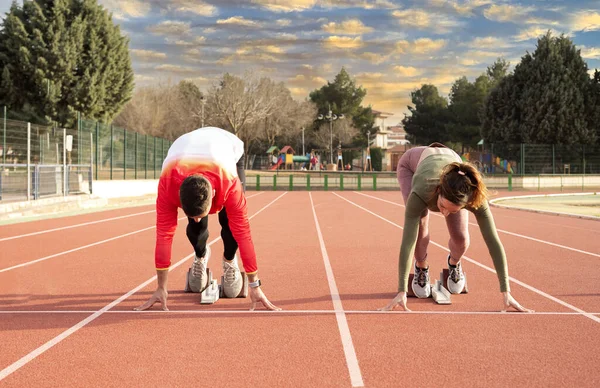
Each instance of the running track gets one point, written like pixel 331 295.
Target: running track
pixel 329 259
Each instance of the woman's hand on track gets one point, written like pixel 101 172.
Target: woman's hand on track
pixel 399 300
pixel 509 302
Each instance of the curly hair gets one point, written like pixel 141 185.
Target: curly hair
pixel 195 195
pixel 462 184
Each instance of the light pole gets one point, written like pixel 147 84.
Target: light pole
pixel 330 117
pixel 203 101
pixel 303 153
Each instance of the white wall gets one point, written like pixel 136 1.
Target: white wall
pixel 133 188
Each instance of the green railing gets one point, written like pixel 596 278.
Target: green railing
pixel 331 180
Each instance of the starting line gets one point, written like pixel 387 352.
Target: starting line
pixel 293 312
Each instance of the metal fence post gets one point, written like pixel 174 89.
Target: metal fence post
pixel 91 177
pixel 135 155
pixel 291 183
pixel 359 182
pixel 154 158
pixel 522 159
pixel 36 182
pixel 326 183
pixel 124 154
pixel 274 182
pixel 97 149
pixel 308 182
pixel 258 183
pixel 65 162
pixel 341 181
pixel 146 156
pixel 4 139
pixel 553 160
pixel 112 135
pixel 374 182
pixel 28 161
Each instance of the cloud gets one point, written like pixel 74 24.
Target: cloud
pixel 196 40
pixel 195 7
pixel 284 22
pixel 422 19
pixel 124 9
pixel 542 21
pixel 239 21
pixel 192 55
pixel 407 71
pixel 420 46
pixel 148 55
pixel 533 33
pixel 342 42
pixel 506 13
pixel 304 5
pixel 176 69
pixel 463 8
pixel 286 6
pixel 489 42
pixel 143 78
pixel 374 58
pixel 347 27
pixel 586 21
pixel 370 77
pixel 198 80
pixel 473 57
pixel 590 52
pixel 170 27
pixel 286 36
pixel 253 53
pixel 298 92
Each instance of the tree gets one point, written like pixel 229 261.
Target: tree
pixel 256 109
pixel 344 97
pixel 164 110
pixel 429 115
pixel 544 101
pixel 593 105
pixel 496 72
pixel 59 57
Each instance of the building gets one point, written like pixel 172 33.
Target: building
pixel 396 136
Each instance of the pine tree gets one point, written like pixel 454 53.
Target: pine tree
pixel 544 102
pixel 63 57
pixel 428 118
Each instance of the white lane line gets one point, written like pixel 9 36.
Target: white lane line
pixel 349 352
pixel 297 312
pixel 73 226
pixel 86 246
pixel 76 249
pixel 499 230
pixel 35 353
pixel 539 292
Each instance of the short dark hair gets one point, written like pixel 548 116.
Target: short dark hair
pixel 195 194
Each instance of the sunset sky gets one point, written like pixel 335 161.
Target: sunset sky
pixel 391 47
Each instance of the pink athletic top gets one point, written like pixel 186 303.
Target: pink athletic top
pixel 213 153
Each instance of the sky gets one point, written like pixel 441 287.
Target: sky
pixel 390 47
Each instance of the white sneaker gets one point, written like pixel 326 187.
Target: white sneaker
pixel 198 279
pixel 456 278
pixel 232 278
pixel 420 285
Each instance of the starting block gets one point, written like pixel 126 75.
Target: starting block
pixel 440 294
pixel 444 278
pixel 212 291
pixel 243 292
pixel 439 290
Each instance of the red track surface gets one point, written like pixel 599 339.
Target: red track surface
pixel 57 331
